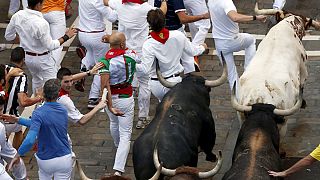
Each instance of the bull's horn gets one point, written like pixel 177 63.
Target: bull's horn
pixel 223 77
pixel 81 173
pixel 157 174
pixel 162 80
pixel 266 11
pixel 204 175
pixel 164 171
pixel 235 104
pixel 288 112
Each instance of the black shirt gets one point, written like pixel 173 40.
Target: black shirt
pixel 172 19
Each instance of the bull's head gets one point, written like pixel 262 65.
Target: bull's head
pixel 209 83
pixel 280 112
pixel 298 22
pixel 185 172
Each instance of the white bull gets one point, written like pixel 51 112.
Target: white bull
pixel 277 71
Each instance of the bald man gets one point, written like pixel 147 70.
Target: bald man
pixel 117 76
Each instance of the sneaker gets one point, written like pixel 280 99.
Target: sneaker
pixel 79 85
pixel 140 124
pixel 93 102
pixel 81 51
pixel 118 173
pixel 145 120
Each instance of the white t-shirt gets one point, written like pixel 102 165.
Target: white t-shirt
pixel 133 22
pixel 73 113
pixel 168 54
pixel 91 14
pixel 222 26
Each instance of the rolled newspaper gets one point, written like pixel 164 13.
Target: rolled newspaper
pixel 104 98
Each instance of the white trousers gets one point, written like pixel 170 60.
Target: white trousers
pixel 15 6
pixel 144 94
pixel 3 173
pixel 279 4
pixel 57 168
pixel 42 68
pixel 57 23
pixel 242 41
pixel 95 51
pixel 121 129
pixel 158 90
pixel 198 29
pixel 142 81
pixel 7 153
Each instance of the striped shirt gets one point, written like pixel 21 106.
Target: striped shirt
pixel 17 85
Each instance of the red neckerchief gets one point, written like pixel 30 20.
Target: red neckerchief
pixel 132 1
pixel 114 53
pixel 161 36
pixel 63 92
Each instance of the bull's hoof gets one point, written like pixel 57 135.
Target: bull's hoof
pixel 211 157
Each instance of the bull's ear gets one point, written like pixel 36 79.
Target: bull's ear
pixel 308 24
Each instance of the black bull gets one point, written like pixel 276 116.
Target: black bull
pixel 257 147
pixel 182 123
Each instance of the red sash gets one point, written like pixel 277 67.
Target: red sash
pixel 132 1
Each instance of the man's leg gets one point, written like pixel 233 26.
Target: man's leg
pixel 41 68
pixel 8 153
pixel 3 174
pixel 143 97
pixel 99 50
pixel 158 90
pixel 279 4
pixel 57 22
pixel 248 42
pixel 126 105
pixel 114 127
pixel 198 29
pixel 13 7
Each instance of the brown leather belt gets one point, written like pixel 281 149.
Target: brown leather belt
pixel 90 31
pixel 35 54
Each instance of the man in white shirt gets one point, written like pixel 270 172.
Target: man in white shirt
pixel 35 39
pixel 198 29
pixel 67 79
pixel 132 16
pixel 168 47
pixel 91 29
pixel 225 31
